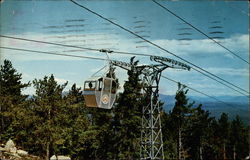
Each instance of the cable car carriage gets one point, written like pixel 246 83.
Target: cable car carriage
pixel 100 92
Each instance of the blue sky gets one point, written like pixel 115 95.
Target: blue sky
pixel 64 22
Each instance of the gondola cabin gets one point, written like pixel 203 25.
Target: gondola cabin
pixel 100 92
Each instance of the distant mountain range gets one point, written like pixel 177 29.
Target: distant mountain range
pixel 235 105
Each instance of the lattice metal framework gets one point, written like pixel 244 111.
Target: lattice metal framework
pixel 151 131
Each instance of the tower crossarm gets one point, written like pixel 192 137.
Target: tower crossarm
pixel 123 65
pixel 143 69
pixel 170 62
pixel 151 130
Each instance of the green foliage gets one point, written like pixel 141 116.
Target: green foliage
pixel 238 139
pixel 201 136
pixel 127 118
pixel 10 83
pixel 176 124
pixel 54 121
pixel 10 97
pixel 198 125
pixel 47 106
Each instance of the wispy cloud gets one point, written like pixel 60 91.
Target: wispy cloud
pixel 197 47
pixel 90 42
pixel 229 71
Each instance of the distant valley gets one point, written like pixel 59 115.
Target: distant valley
pixel 235 105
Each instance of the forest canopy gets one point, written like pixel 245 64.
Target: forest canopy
pixel 51 122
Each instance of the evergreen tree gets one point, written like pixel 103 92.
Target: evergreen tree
pixel 74 96
pixel 223 126
pixel 211 141
pixel 127 118
pixel 76 133
pixel 48 102
pixel 52 122
pixel 169 136
pixel 238 140
pixel 196 133
pixel 23 125
pixel 179 116
pixel 10 97
pixel 101 127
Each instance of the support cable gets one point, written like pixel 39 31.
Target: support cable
pixel 197 29
pixel 52 53
pixel 118 52
pixel 103 59
pixel 229 105
pixel 72 46
pixel 163 49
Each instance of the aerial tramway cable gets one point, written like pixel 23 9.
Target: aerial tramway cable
pixel 103 59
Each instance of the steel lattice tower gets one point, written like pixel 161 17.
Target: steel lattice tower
pixel 151 131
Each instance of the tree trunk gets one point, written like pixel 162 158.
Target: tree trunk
pixel 2 119
pixel 179 144
pixel 234 153
pixel 224 151
pixel 47 151
pixel 201 158
pixel 48 143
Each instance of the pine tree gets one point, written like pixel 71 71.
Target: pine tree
pixel 223 133
pixel 169 137
pixel 211 141
pixel 196 133
pixel 101 146
pixel 179 116
pixel 75 126
pixel 127 118
pixel 10 97
pixel 238 139
pixel 47 105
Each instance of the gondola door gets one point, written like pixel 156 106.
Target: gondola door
pixel 106 96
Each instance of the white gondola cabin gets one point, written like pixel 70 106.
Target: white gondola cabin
pixel 100 92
